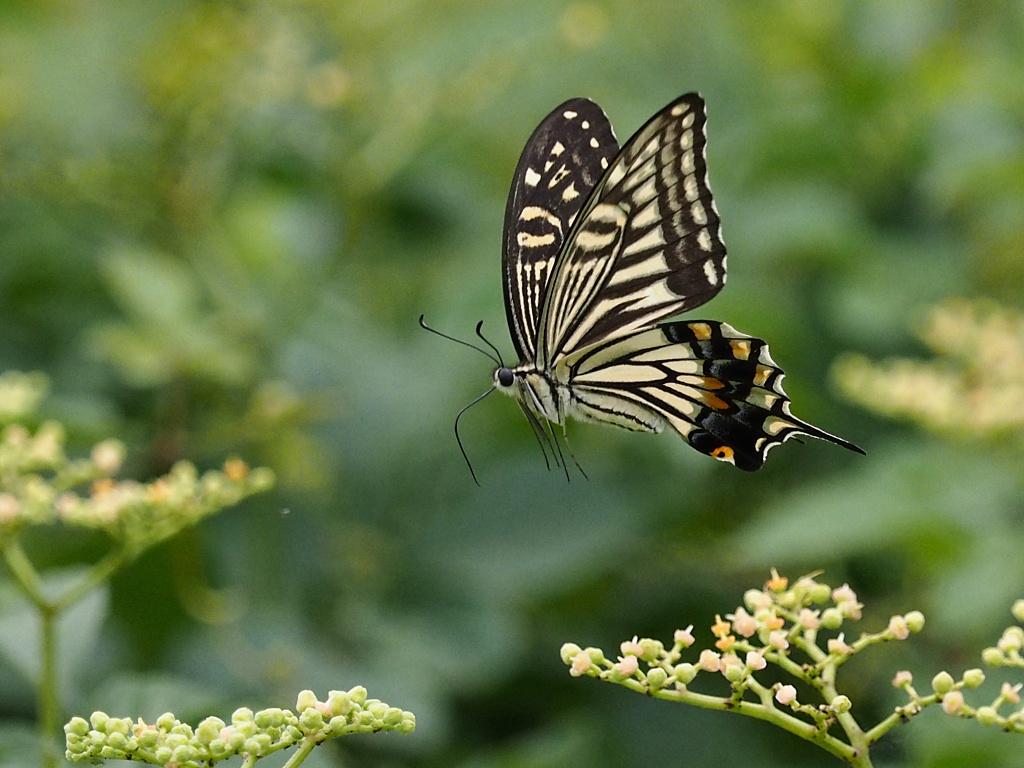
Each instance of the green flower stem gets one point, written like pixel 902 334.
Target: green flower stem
pixel 98 574
pixel 301 753
pixel 766 710
pixel 48 706
pixel 50 609
pixel 21 568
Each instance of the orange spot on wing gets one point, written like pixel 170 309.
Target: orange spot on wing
pixel 712 401
pixel 702 331
pixel 723 452
pixel 710 383
pixel 740 349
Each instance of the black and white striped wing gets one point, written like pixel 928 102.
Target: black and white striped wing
pixel 719 389
pixel 562 161
pixel 646 246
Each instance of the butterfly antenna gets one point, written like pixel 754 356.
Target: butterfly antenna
pixel 496 360
pixel 488 343
pixel 458 439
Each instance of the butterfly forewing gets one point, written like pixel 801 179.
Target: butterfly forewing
pixel 562 161
pixel 719 389
pixel 647 244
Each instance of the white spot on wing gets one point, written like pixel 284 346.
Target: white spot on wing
pixel 532 177
pixel 710 272
pixel 700 216
pixel 526 240
pixel 704 240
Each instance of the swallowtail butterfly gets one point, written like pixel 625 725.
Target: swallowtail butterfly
pixel 602 244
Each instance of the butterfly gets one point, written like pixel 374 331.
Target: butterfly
pixel 600 246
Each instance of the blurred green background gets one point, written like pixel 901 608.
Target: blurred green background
pixel 219 222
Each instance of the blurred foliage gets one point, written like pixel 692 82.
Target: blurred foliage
pixel 219 222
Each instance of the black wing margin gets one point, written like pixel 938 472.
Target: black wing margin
pixel 561 162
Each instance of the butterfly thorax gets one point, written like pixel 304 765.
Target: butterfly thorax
pixel 535 390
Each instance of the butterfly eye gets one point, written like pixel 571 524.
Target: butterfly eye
pixel 505 377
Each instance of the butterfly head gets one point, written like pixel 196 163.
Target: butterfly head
pixel 504 378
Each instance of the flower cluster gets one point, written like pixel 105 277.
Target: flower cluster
pixel 255 735
pixel 778 625
pixel 38 482
pixel 1004 710
pixel 975 387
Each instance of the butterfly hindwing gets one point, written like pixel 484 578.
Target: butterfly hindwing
pixel 647 244
pixel 562 161
pixel 718 388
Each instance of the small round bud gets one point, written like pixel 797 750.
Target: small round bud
pixel 76 726
pixel 117 741
pixel 148 738
pixel 656 678
pixel 165 722
pixel 652 649
pixel 162 755
pixel 311 719
pixel 306 700
pixel 209 729
pixel 99 721
pixel 734 673
pixel 568 651
pixel 357 695
pixel 993 657
pixel 685 672
pixel 987 715
pixel 840 704
pixel 832 618
pixel 942 683
pixel 819 593
pixel 241 715
pixel 915 621
pixel 1018 610
pixel 338 703
pixel 973 678
pixel 1012 639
